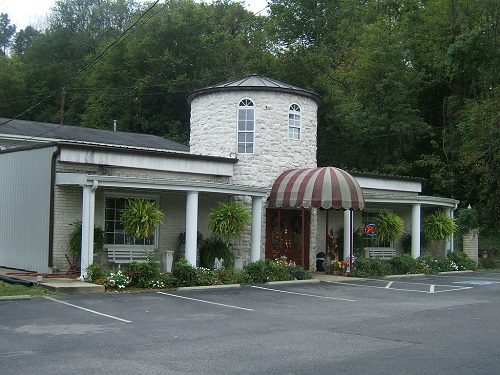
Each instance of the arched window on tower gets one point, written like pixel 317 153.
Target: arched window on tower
pixel 246 126
pixel 294 122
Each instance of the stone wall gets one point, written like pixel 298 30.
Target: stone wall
pixel 471 244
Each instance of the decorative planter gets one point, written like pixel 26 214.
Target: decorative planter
pixel 167 258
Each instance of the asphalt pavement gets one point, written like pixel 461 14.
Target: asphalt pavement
pixel 446 324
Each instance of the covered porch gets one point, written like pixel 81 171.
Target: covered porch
pixel 179 199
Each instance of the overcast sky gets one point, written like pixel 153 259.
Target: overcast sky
pixel 33 12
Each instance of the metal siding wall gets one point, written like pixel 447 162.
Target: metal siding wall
pixel 24 209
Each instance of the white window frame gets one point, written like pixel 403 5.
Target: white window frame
pixel 295 125
pixel 245 131
pixel 155 198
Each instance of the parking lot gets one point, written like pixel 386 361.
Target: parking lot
pixel 445 324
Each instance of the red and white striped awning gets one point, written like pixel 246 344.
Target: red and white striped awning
pixel 325 187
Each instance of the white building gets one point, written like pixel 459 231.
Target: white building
pixel 246 136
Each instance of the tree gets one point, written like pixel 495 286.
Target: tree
pixel 7 31
pixel 23 39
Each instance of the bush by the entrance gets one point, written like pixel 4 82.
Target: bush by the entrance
pixel 403 264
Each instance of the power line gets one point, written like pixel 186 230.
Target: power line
pixel 104 52
pixel 87 66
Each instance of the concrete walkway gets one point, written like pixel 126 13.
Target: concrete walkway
pixel 65 285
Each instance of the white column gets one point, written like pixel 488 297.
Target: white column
pixel 415 230
pixel 347 234
pixel 88 211
pixel 452 237
pixel 256 228
pixel 447 242
pixel 191 226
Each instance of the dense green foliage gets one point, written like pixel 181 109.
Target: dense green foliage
pixel 75 239
pixel 213 248
pixel 403 264
pixel 414 82
pixel 439 226
pixel 265 270
pixel 228 221
pixel 140 218
pixel 389 226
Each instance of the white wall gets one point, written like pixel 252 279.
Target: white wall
pixel 25 208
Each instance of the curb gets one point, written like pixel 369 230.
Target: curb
pixel 293 282
pixel 15 298
pixel 454 272
pixel 208 287
pixel 409 275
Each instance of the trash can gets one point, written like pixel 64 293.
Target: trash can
pixel 320 262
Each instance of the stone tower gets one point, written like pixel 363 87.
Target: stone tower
pixel 269 126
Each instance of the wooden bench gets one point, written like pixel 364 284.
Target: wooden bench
pixel 122 255
pixel 383 253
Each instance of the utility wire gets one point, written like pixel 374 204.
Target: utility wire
pixel 87 66
pixel 104 52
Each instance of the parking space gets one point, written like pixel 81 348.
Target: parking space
pixel 255 329
pixel 404 286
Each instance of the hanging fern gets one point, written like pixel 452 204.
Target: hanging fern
pixel 439 226
pixel 228 221
pixel 389 226
pixel 140 218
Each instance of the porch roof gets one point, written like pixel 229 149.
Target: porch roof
pixel 410 199
pixel 81 179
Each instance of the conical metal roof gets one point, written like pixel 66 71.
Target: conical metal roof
pixel 254 82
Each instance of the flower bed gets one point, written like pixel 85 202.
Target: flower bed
pixel 149 276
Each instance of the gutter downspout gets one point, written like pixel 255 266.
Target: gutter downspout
pixel 55 155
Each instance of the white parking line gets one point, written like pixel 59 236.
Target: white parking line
pixel 89 310
pixel 388 286
pixel 302 294
pixel 454 288
pixel 478 277
pixel 431 288
pixel 200 300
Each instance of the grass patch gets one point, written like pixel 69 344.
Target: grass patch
pixel 7 289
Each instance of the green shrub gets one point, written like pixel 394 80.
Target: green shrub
pixel 256 271
pixel 427 265
pixel 184 273
pixel 205 276
pixel 487 263
pixel 213 248
pixel 144 275
pixel 95 272
pixel 445 265
pixel 403 264
pixel 275 270
pixel 299 273
pixel 466 220
pixel 462 260
pixel 234 276
pixel 371 268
